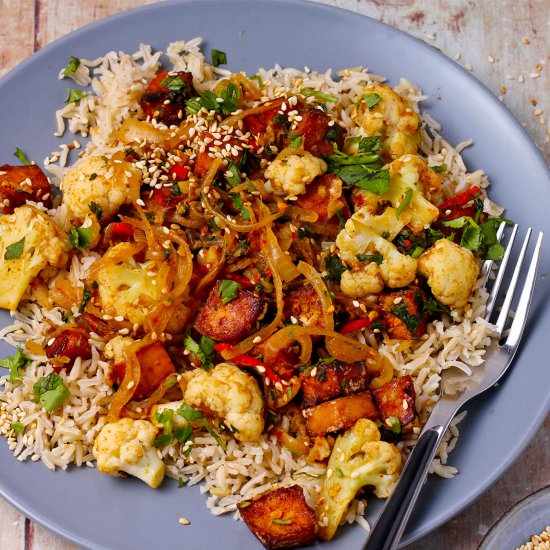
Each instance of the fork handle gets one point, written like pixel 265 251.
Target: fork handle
pixel 391 523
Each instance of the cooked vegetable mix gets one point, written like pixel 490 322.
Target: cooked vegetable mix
pixel 264 271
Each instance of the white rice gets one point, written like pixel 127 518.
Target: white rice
pixel 247 469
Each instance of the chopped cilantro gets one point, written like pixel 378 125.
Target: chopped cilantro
pixel 224 102
pixel 67 316
pixel 50 391
pixel 15 365
pixel 321 375
pixel 239 206
pixel 14 250
pixel 175 189
pixel 371 100
pixel 21 156
pixel 295 140
pixel 232 174
pixel 203 350
pixel 174 83
pixel 80 237
pixel 404 203
pixel 394 424
pixel 310 92
pixel 376 258
pixel 335 267
pixel 74 95
pixel 73 65
pixel 339 472
pixel 228 290
pixel 333 133
pixel 190 414
pixel 218 58
pixel 96 209
pixel 86 297
pixel 411 321
pixel 181 482
pixel 431 305
pixel 17 428
pixel 439 169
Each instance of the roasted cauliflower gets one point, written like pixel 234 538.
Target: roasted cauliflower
pixel 29 242
pixel 127 446
pixel 451 271
pixel 383 112
pixel 290 172
pixel 396 270
pixel 127 288
pixel 358 459
pixel 108 183
pixel 229 393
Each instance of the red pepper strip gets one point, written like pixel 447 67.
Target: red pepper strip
pixel 356 324
pixel 243 281
pixel 122 230
pixel 461 199
pixel 179 172
pixel 271 378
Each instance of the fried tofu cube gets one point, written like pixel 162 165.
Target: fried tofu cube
pixel 29 242
pixel 333 379
pixel 231 321
pixel 303 304
pixel 19 184
pixel 396 399
pixel 402 314
pixel 280 518
pixel 340 413
pixel 313 127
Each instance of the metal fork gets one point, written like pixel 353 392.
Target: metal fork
pixel 456 390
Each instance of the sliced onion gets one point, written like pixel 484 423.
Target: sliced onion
pixel 314 278
pixel 287 270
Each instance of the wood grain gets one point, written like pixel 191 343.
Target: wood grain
pixel 502 43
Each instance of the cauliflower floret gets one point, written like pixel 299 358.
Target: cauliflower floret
pixel 231 394
pixel 127 446
pixel 392 118
pixel 106 182
pixel 451 270
pixel 396 270
pixel 410 179
pixel 127 288
pixel 290 172
pixel 358 458
pixel 29 242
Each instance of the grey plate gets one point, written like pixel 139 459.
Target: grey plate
pixel 101 512
pixel 528 517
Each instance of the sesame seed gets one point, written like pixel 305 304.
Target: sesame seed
pixel 257 340
pixel 490 59
pixel 183 521
pixel 119 318
pixel 131 384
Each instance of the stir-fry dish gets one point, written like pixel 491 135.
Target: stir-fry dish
pixel 252 282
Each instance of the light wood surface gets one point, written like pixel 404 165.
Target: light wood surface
pixel 506 46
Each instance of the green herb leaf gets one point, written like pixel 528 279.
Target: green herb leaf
pixel 162 440
pixel 376 258
pixel 224 102
pixel 335 267
pixel 311 92
pixel 339 471
pixel 189 413
pixel 74 95
pixel 333 133
pixel 282 521
pixel 394 424
pixel 181 482
pixel 258 79
pixel 405 202
pixel 371 100
pixel 439 169
pixel 96 209
pixel 15 365
pixel 228 290
pixel 86 297
pixel 411 321
pixel 431 306
pixel 232 174
pixel 218 58
pixel 203 350
pixel 73 65
pixel 173 82
pixel 80 237
pixel 17 428
pixel 50 391
pixel 21 156
pixel 295 141
pixel 14 250
pixel 238 205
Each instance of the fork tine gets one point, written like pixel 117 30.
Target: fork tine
pixel 500 274
pixel 518 324
pixel 505 309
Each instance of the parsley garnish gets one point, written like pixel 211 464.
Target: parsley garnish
pixel 310 92
pixel 208 100
pixel 371 100
pixel 239 206
pixel 364 169
pixel 50 391
pixel 228 290
pixel 21 156
pixel 404 203
pixel 411 321
pixel 73 65
pixel 80 237
pixel 203 350
pixel 96 209
pixel 75 95
pixel 14 250
pixel 431 305
pixel 295 140
pixel 335 267
pixel 232 174
pixel 17 428
pixel 189 413
pixel 15 365
pixel 218 58
pixel 174 83
pixel 376 258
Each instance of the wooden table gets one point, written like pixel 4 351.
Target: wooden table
pixel 505 44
